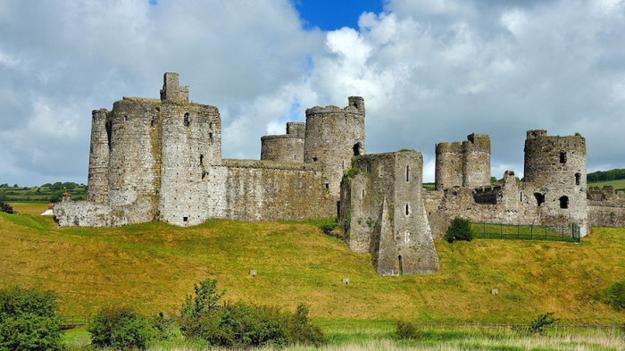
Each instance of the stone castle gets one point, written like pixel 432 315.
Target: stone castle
pixel 160 159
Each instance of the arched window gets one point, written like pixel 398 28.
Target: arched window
pixel 407 173
pixel 401 265
pixel 187 119
pixel 578 178
pixel 564 202
pixel 562 157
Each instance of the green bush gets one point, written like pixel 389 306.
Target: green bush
pixel 615 295
pixel 240 325
pixel 541 322
pixel 406 331
pixel 121 328
pixel 28 321
pixel 459 229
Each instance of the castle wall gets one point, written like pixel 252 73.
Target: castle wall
pixel 86 214
pixel 285 148
pixel 333 136
pixel 269 190
pixel 382 212
pixel 99 157
pixel 134 164
pixel 606 207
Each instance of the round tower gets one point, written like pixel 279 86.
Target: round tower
pixel 286 148
pixel 333 136
pixel 99 156
pixel 555 171
pixel 448 171
pixel 476 161
pixel 134 163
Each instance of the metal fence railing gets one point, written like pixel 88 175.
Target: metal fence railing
pixel 484 230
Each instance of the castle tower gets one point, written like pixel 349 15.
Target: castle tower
pixel 383 213
pixel 476 160
pixel 134 163
pixel 99 156
pixel 287 147
pixel 555 171
pixel 333 136
pixel 449 165
pixel 191 145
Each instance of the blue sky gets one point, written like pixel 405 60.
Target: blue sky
pixel 334 14
pixel 429 70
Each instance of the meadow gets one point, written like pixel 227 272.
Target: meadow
pixel 618 184
pixel 153 266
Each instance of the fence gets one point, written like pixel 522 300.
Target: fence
pixel 484 230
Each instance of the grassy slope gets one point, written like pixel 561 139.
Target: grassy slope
pixel 153 266
pixel 617 184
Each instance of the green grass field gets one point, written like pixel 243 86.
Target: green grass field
pixel 617 184
pixel 153 266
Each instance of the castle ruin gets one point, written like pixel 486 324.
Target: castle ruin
pixel 160 159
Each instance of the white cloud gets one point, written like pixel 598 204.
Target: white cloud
pixel 430 71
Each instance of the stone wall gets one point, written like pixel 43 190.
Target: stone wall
pixel 268 190
pixel 382 212
pixel 333 136
pixel 86 214
pixel 606 207
pixel 297 129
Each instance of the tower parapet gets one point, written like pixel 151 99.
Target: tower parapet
pixel 333 136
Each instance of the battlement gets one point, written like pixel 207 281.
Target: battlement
pixel 453 147
pixel 172 91
pixel 541 140
pixel 477 142
pixel 536 133
pixel 269 164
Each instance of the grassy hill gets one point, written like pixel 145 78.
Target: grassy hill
pixel 153 266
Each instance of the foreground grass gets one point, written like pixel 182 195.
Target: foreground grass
pixel 153 266
pixel 361 335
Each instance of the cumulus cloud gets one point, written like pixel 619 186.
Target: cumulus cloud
pixel 430 71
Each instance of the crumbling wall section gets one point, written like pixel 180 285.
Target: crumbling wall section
pixel 382 212
pixel 606 207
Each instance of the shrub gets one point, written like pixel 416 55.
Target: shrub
pixel 301 331
pixel 28 321
pixel 163 326
pixel 615 295
pixel 460 229
pixel 327 226
pixel 240 325
pixel 541 322
pixel 406 330
pixel 121 328
pixel 6 208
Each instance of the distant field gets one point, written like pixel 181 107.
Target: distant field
pixel 153 266
pixel 617 184
pixel 45 193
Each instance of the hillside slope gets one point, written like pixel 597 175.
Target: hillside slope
pixel 153 266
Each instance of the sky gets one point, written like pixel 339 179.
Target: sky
pixel 429 70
